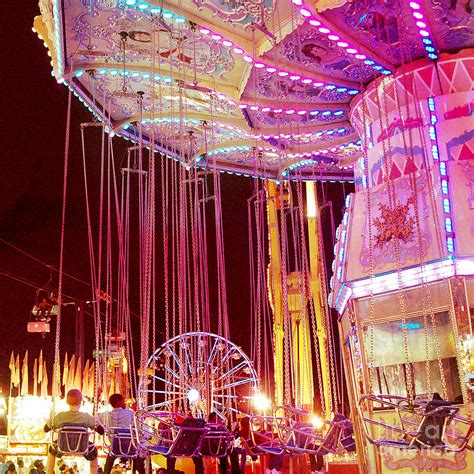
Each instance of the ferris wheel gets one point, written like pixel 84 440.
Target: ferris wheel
pixel 199 373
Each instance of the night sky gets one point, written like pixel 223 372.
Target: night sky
pixel 34 110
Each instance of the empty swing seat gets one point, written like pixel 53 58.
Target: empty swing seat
pixel 217 442
pixel 264 436
pixel 188 438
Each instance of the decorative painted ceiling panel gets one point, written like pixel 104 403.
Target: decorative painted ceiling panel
pixel 257 87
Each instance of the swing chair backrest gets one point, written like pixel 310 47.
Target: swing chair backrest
pixel 188 436
pixel 153 431
pixel 217 442
pixel 339 435
pixel 72 439
pixel 118 442
pixel 264 435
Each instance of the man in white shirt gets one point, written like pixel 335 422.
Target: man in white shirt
pixel 119 418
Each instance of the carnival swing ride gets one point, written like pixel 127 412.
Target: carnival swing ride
pixel 293 95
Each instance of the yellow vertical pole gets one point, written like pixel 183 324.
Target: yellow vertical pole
pixel 276 288
pixel 315 270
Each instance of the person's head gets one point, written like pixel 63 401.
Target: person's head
pixel 74 398
pixel 313 51
pixel 117 401
pixel 20 463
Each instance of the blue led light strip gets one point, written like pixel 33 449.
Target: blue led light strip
pixel 444 179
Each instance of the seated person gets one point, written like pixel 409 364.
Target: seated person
pixel 120 417
pixel 73 417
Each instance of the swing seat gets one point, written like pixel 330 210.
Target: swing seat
pixel 73 439
pixel 217 442
pixel 429 422
pixel 301 437
pixel 118 442
pixel 159 433
pixel 188 437
pixel 264 436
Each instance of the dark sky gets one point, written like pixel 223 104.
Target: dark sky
pixel 32 154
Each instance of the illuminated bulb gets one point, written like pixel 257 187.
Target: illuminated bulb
pixel 204 31
pixel 238 50
pixel 259 65
pixel 297 2
pixel 314 22
pixel 333 37
pixel 248 59
pixel 418 15
pixel 283 73
pixel 325 30
pixel 261 402
pixel 271 69
pixel 414 5
pixel 266 109
pixel 305 13
pixel 343 44
pixel 227 43
pixel 424 33
pixel 193 396
pixel 216 37
pixel 421 24
pixel 360 56
pixel 307 81
pixel 351 50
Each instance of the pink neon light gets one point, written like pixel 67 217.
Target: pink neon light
pixel 414 5
pixel 227 43
pixel 266 109
pixel 421 24
pixel 271 69
pixel 242 106
pixel 295 78
pixel 290 112
pixel 324 30
pixel 351 50
pixel 333 37
pixel 424 33
pixel 278 111
pixel 314 22
pixel 360 56
pixel 204 31
pixel 238 50
pixel 297 2
pixel 216 37
pixel 259 65
pixel 301 112
pixel 307 81
pixel 305 12
pixel 282 73
pixel 343 44
pixel 418 15
pixel 318 84
pixel 248 59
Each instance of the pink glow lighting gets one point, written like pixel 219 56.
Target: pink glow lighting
pixel 314 22
pixel 324 30
pixel 283 73
pixel 305 12
pixel 360 56
pixel 290 112
pixel 343 44
pixel 204 31
pixel 238 50
pixel 424 33
pixel 254 107
pixel 227 43
pixel 333 37
pixel 295 77
pixel 351 50
pixel 418 15
pixel 278 111
pixel 259 65
pixel 301 112
pixel 307 81
pixel 271 69
pixel 216 37
pixel 266 109
pixel 297 2
pixel 414 5
pixel 421 24
pixel 318 84
pixel 242 106
pixel 248 59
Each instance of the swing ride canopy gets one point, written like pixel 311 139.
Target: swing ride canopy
pixel 261 88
